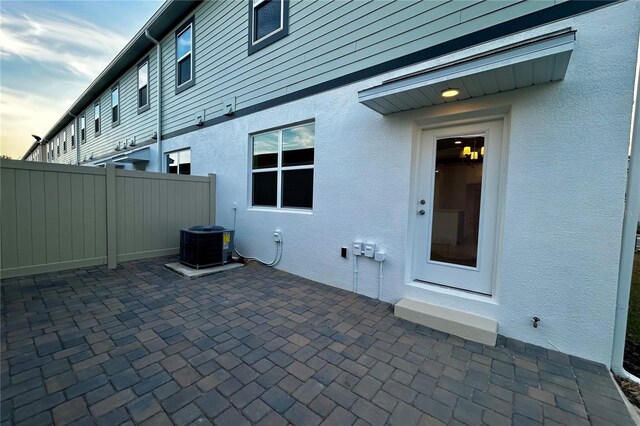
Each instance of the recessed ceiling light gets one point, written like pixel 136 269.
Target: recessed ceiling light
pixel 450 93
pixel 458 142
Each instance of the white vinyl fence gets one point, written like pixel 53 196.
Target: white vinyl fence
pixel 56 217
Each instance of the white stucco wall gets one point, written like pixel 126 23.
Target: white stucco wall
pixel 563 195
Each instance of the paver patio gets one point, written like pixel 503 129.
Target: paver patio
pixel 141 345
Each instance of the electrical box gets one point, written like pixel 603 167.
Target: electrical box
pixel 369 249
pixel 357 248
pixel 199 118
pixel 229 106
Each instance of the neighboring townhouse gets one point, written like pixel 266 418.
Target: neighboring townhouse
pixel 36 152
pixel 463 160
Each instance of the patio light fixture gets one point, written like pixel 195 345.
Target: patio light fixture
pixel 450 93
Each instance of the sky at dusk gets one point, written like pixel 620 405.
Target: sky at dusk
pixel 50 51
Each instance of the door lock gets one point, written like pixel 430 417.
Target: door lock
pixel 421 212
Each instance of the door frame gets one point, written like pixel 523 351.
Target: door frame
pixel 468 118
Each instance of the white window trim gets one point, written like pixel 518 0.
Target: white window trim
pixel 279 169
pixel 190 54
pixel 98 118
pixel 115 88
pixel 178 151
pixel 146 62
pixel 255 4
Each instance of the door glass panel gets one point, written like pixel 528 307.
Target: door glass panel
pixel 456 200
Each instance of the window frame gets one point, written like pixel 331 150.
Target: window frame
pixel 99 119
pixel 177 151
pixel 259 44
pixel 83 128
pixel 181 29
pixel 145 107
pixel 279 169
pixel 115 123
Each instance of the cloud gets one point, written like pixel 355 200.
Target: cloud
pixel 59 41
pixel 17 109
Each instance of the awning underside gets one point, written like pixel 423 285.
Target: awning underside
pixel 531 62
pixel 140 156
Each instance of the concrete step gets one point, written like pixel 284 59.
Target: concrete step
pixel 463 324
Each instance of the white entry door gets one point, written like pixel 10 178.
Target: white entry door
pixel 457 206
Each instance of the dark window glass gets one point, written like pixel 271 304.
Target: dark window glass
pixel 265 151
pixel 179 162
pixel 142 97
pixel 115 103
pixel 184 70
pixel 297 188
pixel 266 18
pixel 297 146
pixel 96 115
pixel 265 189
pixel 143 82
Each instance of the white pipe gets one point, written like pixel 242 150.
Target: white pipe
pixel 355 273
pixel 159 86
pixel 629 224
pixel 380 281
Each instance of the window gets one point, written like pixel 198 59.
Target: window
pixel 185 77
pixel 73 135
pixel 268 22
pixel 143 86
pixel 64 141
pixel 96 118
pixel 179 162
pixel 83 126
pixel 115 105
pixel 58 146
pixel 282 167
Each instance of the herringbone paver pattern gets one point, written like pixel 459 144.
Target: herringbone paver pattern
pixel 140 345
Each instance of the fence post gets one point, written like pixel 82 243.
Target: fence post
pixel 112 254
pixel 212 200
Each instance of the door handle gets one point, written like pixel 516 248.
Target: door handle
pixel 421 212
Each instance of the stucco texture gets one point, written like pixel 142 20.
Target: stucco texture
pixel 562 195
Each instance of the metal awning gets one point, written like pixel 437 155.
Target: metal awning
pixel 530 62
pixel 139 156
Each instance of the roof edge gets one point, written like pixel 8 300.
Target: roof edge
pixel 171 11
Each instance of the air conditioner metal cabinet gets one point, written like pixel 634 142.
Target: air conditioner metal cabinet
pixel 205 246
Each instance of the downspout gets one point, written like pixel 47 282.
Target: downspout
pixel 77 141
pixel 629 224
pixel 159 112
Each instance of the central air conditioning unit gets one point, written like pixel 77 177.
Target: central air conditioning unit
pixel 206 245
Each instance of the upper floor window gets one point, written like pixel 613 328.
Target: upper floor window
pixel 96 118
pixel 115 105
pixel 143 86
pixel 185 44
pixel 83 127
pixel 282 167
pixel 179 162
pixel 64 141
pixel 268 22
pixel 73 135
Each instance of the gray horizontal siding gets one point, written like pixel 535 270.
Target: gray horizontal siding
pixel 142 125
pixel 326 40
